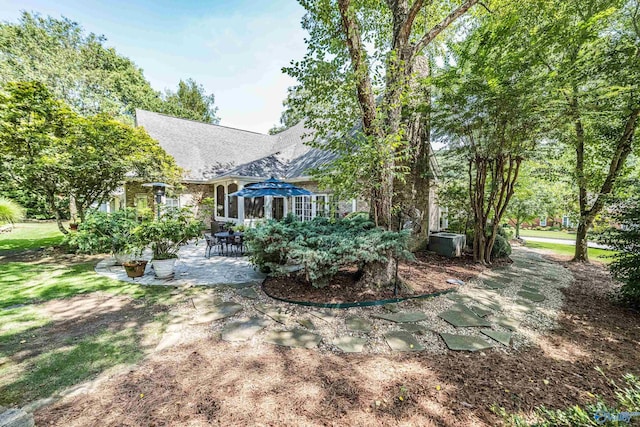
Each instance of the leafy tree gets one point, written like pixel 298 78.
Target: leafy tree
pixel 590 50
pixel 488 107
pixel 190 101
pixel 51 152
pixel 76 66
pixel 341 81
pixel 292 113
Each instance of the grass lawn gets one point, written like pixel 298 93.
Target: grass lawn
pixel 30 235
pixel 600 255
pixel 547 234
pixel 61 323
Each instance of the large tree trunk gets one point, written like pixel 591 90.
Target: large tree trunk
pixel 51 201
pixel 582 244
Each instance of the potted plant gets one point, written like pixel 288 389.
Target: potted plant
pixel 165 235
pixel 102 232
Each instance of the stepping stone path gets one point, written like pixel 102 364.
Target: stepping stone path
pixel 350 344
pixel 272 312
pixel 502 337
pixel 461 316
pixel 306 323
pixel 492 284
pixel 532 296
pixel 402 317
pixel 248 293
pixel 243 330
pixel 507 322
pixel 480 310
pixel 465 342
pixel 217 312
pixel 326 315
pixel 402 341
pixel 414 328
pixel 358 324
pixel 295 338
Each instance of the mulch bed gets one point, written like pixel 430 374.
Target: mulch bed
pixel 426 275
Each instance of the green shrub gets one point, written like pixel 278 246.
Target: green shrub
pixel 322 247
pixel 10 211
pixel 598 414
pixel 102 232
pixel 626 241
pixel 167 233
pixel 501 248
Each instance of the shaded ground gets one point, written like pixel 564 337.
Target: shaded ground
pixel 427 274
pixel 213 382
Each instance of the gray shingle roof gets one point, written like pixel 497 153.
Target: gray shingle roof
pixel 207 151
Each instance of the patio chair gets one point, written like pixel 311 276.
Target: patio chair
pixel 212 242
pixel 237 245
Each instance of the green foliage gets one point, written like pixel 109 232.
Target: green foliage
pixel 10 211
pixel 76 66
pixel 49 151
pixel 593 414
pixel 626 240
pixel 166 234
pixel 190 101
pixel 103 232
pixel 322 247
pixel 501 248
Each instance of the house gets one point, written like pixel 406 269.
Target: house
pixel 220 160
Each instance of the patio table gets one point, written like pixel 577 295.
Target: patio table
pixel 231 239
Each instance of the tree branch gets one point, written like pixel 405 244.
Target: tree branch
pixel 433 33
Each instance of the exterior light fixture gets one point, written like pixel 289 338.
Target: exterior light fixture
pixel 159 190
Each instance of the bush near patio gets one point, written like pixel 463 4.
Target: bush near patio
pixel 166 234
pixel 626 240
pixel 103 232
pixel 322 246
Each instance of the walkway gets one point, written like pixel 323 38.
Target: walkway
pixel 192 268
pixel 563 242
pixel 502 309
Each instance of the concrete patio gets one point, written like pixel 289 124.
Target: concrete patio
pixel 192 268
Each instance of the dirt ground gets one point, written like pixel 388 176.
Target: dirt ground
pixel 212 382
pixel 427 274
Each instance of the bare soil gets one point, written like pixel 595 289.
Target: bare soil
pixel 212 382
pixel 426 275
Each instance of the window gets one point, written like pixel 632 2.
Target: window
pixel 172 202
pixel 254 208
pixel 233 201
pixel 141 202
pixel 543 221
pixel 303 207
pixel 220 196
pixel 322 207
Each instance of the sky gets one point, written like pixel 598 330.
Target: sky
pixel 234 48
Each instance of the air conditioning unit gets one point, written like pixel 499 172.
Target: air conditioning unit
pixel 447 244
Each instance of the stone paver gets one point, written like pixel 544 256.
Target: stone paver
pixel 16 418
pixel 306 323
pixel 242 330
pixel 273 312
pixel 415 328
pixel 217 312
pixel 248 293
pixel 358 324
pixel 326 315
pixel 350 344
pixel 402 341
pixel 401 317
pixel 492 284
pixel 507 322
pixel 193 269
pixel 392 308
pixel 532 296
pixel 530 289
pixel 480 310
pixel 461 316
pixel 502 337
pixel 465 342
pixel 293 338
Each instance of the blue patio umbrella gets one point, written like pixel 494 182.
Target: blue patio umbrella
pixel 271 187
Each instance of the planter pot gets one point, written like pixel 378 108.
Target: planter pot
pixel 164 267
pixel 73 226
pixel 135 268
